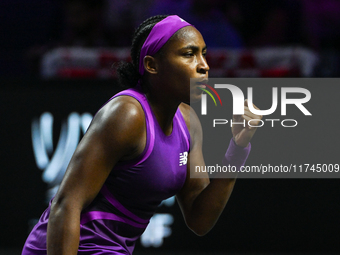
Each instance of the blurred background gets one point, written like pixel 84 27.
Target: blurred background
pixel 56 71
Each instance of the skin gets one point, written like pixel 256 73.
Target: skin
pixel 118 133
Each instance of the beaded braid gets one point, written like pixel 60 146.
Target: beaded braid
pixel 128 74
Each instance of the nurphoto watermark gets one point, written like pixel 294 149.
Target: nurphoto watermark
pixel 290 111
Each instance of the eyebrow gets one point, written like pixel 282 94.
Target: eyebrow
pixel 194 47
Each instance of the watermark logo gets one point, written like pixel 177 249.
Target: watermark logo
pixel 285 97
pixel 288 116
pixel 238 99
pixel 204 97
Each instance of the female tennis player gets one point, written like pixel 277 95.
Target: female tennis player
pixel 138 151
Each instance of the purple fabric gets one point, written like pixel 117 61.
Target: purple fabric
pixel 98 215
pixel 159 35
pixel 236 155
pixel 148 119
pixel 183 129
pixel 113 201
pixel 158 176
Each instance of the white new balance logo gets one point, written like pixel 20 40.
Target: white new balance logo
pixel 183 158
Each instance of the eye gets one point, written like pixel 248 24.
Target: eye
pixel 204 54
pixel 188 54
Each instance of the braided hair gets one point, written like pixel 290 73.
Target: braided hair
pixel 128 74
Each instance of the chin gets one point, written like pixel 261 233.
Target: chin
pixel 194 98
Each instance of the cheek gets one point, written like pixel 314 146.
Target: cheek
pixel 179 68
pixel 186 68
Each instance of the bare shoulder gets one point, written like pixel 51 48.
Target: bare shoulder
pixel 120 122
pixel 123 111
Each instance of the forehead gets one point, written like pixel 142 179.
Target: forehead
pixel 186 36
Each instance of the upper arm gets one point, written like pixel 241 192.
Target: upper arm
pixel 195 181
pixel 116 132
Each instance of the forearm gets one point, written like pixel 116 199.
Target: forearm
pixel 63 231
pixel 209 204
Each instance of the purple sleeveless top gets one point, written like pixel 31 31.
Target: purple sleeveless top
pixel 118 216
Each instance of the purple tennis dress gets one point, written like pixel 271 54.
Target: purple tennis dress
pixel 118 216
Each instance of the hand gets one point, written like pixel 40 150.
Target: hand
pixel 242 134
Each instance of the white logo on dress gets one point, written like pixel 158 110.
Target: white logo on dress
pixel 183 158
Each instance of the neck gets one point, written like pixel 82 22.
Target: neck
pixel 163 107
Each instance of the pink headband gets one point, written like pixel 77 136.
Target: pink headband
pixel 159 35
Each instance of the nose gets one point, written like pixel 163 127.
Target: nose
pixel 202 65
